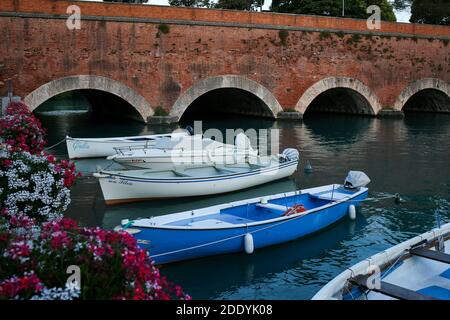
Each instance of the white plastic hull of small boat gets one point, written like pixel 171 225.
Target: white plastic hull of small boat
pixel 123 186
pixel 411 272
pixel 102 147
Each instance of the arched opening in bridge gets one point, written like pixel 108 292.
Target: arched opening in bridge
pixel 225 101
pixel 340 100
pixel 90 103
pixel 88 113
pixel 428 100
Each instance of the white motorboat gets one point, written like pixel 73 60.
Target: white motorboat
pixel 134 185
pixel 190 151
pixel 417 269
pixel 102 147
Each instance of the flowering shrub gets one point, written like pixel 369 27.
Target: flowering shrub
pixel 37 244
pixel 20 129
pixel 34 185
pixel 34 264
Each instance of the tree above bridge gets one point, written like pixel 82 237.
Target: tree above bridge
pixel 333 8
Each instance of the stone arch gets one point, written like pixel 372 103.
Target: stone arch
pixel 221 82
pixel 61 85
pixel 419 85
pixel 336 83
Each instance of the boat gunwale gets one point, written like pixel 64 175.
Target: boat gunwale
pixel 251 201
pixel 198 155
pixel 109 174
pixel 123 139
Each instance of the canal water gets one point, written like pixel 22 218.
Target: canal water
pixel 410 157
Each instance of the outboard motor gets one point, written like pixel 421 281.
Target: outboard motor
pixel 290 154
pixel 356 179
pixel 190 130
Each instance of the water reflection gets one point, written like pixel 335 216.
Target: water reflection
pixel 239 271
pixel 409 156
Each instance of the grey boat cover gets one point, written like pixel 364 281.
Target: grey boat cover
pixel 356 179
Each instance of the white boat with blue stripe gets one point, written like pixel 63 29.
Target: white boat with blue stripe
pixel 417 269
pixel 78 148
pixel 136 185
pixel 244 225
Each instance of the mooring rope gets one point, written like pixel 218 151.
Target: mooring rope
pixel 56 144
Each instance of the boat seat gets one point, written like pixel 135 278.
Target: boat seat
pixel 180 173
pixel 329 195
pixel 390 289
pixel 272 207
pixel 431 254
pixel 210 223
pixel 225 169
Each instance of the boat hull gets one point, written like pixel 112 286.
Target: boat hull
pixel 168 245
pixel 122 189
pixel 99 148
pixel 398 267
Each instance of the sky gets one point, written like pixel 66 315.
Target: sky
pixel 402 16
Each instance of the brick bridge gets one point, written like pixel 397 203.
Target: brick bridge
pixel 182 58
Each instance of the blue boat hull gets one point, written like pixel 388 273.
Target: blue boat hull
pixel 171 245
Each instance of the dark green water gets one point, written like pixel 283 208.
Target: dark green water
pixel 410 157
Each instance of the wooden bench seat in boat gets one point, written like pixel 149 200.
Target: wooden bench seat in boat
pixel 431 254
pixel 390 289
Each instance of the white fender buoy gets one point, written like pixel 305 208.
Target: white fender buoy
pixel 248 244
pixel 352 212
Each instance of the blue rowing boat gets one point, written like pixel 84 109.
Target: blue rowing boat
pixel 249 224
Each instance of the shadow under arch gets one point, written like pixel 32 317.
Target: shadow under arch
pixel 83 82
pixel 425 95
pixel 231 82
pixel 339 95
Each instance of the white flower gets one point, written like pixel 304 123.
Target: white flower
pixel 70 292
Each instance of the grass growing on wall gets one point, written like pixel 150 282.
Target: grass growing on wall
pixel 283 35
pixel 164 28
pixel 160 112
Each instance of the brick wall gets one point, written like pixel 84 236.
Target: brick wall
pixel 36 48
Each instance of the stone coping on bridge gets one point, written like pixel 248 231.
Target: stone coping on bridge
pixel 182 15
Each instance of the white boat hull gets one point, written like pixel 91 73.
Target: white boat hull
pixel 103 147
pixel 121 188
pixel 397 267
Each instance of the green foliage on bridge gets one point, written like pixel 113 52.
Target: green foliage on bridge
pixel 333 8
pixel 431 11
pixel 186 3
pixel 426 11
pixel 127 1
pixel 249 5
